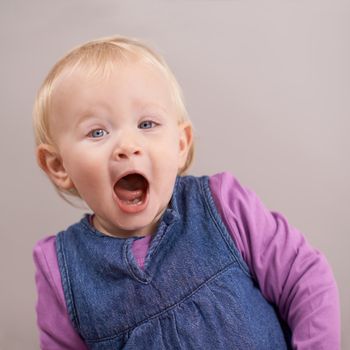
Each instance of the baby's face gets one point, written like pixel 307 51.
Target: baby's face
pixel 120 144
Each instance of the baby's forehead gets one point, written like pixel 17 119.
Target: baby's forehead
pixel 88 74
pixel 137 83
pixel 120 72
pixel 91 73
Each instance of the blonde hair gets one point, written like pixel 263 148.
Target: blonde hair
pixel 99 57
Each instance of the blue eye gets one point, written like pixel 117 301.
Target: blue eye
pixel 147 124
pixel 97 133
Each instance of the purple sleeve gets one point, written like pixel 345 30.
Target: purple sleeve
pixel 290 273
pixel 55 329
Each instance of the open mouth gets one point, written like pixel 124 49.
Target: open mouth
pixel 131 192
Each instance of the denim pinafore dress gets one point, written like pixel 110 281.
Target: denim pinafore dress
pixel 195 291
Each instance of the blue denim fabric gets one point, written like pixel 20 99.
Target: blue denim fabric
pixel 195 291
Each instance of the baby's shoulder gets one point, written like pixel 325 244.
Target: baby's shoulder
pixel 45 244
pixel 47 274
pixel 225 184
pixel 44 251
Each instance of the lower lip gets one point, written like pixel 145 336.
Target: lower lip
pixel 132 208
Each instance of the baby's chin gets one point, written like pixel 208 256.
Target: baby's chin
pixel 126 229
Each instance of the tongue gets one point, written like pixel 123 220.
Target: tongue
pixel 130 187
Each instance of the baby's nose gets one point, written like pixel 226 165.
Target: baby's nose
pixel 126 152
pixel 127 147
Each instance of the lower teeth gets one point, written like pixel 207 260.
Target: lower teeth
pixel 135 201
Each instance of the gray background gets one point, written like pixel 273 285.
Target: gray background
pixel 267 85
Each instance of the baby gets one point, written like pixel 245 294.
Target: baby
pixel 165 261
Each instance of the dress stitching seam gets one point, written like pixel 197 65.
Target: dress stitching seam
pixel 203 284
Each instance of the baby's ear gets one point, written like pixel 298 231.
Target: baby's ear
pixel 50 161
pixel 186 138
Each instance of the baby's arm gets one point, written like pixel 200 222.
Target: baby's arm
pixel 290 273
pixel 55 330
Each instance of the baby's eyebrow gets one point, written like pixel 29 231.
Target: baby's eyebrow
pixel 154 109
pixel 90 111
pixel 142 106
pixel 85 117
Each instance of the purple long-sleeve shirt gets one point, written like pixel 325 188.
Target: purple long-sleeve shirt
pixel 290 273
